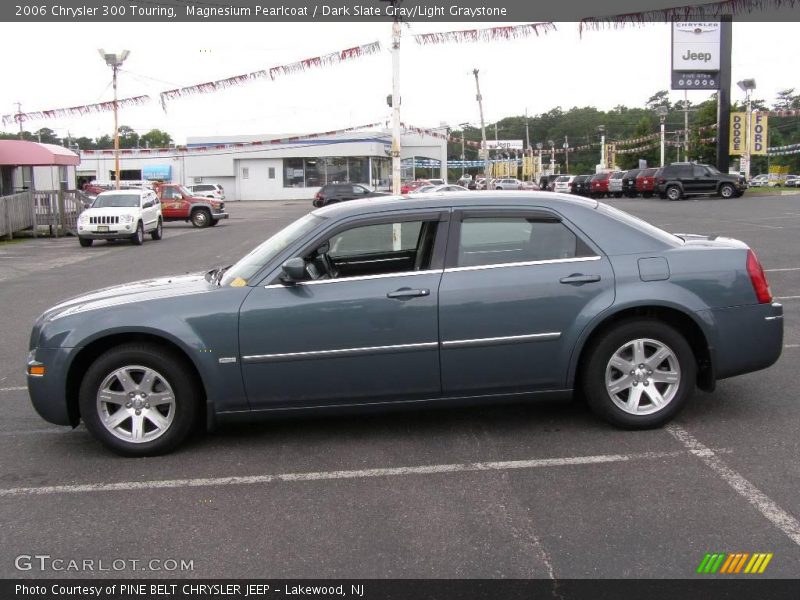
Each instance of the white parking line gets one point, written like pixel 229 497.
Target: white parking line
pixel 786 297
pixel 329 475
pixel 791 346
pixel 774 513
pixel 18 388
pixel 781 270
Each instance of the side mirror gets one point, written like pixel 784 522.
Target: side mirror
pixel 294 270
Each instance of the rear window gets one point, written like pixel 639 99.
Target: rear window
pixel 562 179
pixel 638 223
pixel 618 176
pixel 632 173
pixel 648 173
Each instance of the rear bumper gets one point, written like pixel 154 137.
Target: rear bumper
pixel 748 338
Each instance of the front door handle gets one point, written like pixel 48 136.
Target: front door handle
pixel 404 293
pixel 579 279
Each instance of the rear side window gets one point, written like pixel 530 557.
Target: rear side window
pixel 503 240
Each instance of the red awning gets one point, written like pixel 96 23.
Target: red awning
pixel 21 153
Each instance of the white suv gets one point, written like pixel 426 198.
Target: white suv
pixel 122 214
pixel 208 190
pixel 563 184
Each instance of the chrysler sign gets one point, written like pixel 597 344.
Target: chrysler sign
pixel 695 55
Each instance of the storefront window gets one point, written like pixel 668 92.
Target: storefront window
pixel 359 170
pixel 293 172
pixel 315 172
pixel 336 170
pixel 381 173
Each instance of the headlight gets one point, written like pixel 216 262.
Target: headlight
pixel 126 219
pixel 84 218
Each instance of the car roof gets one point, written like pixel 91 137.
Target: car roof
pixel 123 192
pixel 441 200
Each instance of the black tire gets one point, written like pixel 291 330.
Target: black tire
pixel 673 192
pixel 617 194
pixel 138 237
pixel 647 194
pixel 614 339
pixel 187 395
pixel 214 222
pixel 201 218
pixel 158 232
pixel 85 242
pixel 726 190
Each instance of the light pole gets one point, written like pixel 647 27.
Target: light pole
pixel 552 157
pixel 566 154
pixel 747 86
pixel 601 129
pixel 115 62
pixel 539 146
pixel 662 111
pixel 463 146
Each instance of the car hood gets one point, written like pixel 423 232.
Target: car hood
pixel 138 291
pixel 111 211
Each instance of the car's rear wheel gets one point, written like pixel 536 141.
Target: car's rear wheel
pixel 639 374
pixel 201 218
pixel 726 190
pixel 139 400
pixel 158 232
pixel 673 192
pixel 138 237
pixel 85 242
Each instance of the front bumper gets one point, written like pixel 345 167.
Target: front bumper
pixel 748 338
pixel 219 215
pixel 48 392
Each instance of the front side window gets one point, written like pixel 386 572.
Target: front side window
pixel 376 249
pixel 503 240
pixel 700 171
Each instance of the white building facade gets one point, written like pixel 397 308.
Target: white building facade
pixel 264 167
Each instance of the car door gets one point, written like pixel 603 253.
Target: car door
pixel 518 288
pixel 706 180
pixel 149 210
pixel 362 329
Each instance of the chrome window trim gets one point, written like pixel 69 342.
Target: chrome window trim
pixel 524 264
pixel 506 339
pixel 357 278
pixel 257 358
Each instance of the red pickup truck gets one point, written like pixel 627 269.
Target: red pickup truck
pixel 178 204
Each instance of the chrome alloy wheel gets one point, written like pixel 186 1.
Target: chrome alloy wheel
pixel 643 376
pixel 136 404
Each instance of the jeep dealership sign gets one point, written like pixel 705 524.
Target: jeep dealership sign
pixel 695 55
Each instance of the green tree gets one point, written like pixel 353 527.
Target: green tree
pixel 155 138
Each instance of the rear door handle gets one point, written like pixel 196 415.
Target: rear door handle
pixel 404 293
pixel 578 279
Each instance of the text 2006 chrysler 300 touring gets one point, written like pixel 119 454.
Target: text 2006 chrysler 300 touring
pixel 444 299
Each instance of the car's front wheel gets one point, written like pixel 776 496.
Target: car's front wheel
pixel 639 374
pixel 726 190
pixel 139 400
pixel 201 218
pixel 138 237
pixel 85 242
pixel 158 232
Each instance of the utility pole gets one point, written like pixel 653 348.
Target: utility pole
pixel 527 152
pixel 685 125
pixel 396 103
pixel 566 154
pixel 724 94
pixel 19 118
pixel 484 150
pixel 115 62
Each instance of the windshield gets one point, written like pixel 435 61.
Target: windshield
pixel 116 201
pixel 240 273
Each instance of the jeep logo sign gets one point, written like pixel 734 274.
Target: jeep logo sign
pixel 695 51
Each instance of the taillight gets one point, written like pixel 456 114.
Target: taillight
pixel 318 195
pixel 662 181
pixel 758 279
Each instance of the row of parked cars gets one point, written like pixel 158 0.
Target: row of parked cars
pixel 764 180
pixel 674 182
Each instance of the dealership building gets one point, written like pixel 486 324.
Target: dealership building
pixel 273 167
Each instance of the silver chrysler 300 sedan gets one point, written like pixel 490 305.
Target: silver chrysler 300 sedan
pixel 442 299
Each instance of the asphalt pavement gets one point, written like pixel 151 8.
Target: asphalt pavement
pixel 530 491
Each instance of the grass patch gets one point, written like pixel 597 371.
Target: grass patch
pixel 765 191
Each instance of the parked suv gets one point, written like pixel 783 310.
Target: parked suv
pixel 121 214
pixel 563 184
pixel 615 184
pixel 678 180
pixel 646 182
pixel 629 182
pixel 207 190
pixel 579 185
pixel 340 192
pixel 507 184
pixel 598 185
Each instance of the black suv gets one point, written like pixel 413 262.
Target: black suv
pixel 629 182
pixel 339 192
pixel 678 180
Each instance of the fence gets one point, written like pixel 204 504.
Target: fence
pixel 56 210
